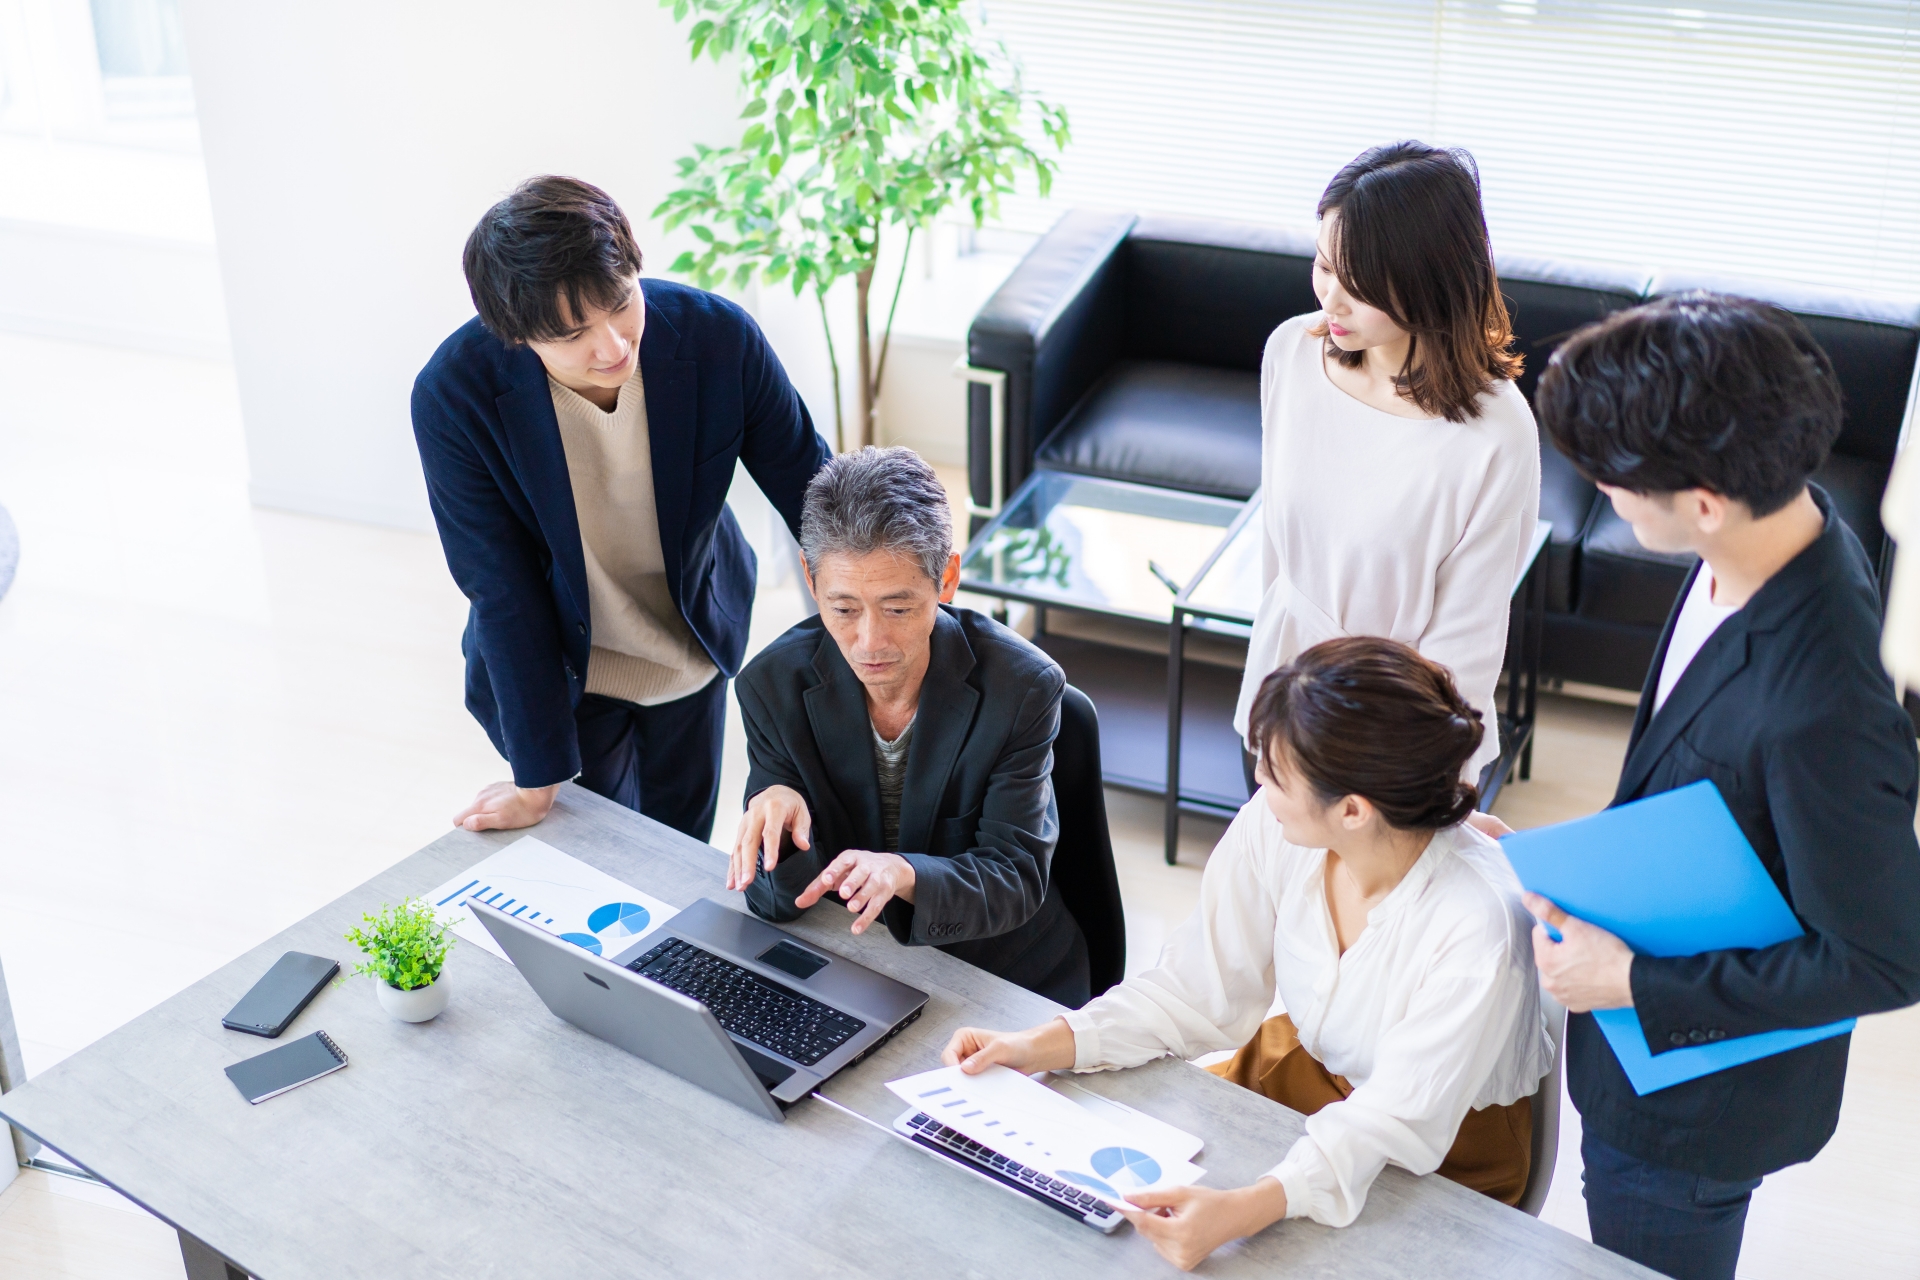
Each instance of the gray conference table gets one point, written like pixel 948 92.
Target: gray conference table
pixel 498 1141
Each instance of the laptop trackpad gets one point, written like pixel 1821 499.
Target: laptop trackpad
pixel 770 1070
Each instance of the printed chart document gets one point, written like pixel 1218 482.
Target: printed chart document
pixel 535 882
pixel 1670 875
pixel 1108 1151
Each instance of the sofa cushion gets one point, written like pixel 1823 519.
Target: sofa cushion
pixel 1856 485
pixel 1179 426
pixel 1205 292
pixel 1547 300
pixel 1620 580
pixel 1567 502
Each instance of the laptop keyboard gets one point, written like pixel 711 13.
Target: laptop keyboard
pixel 747 1005
pixel 1056 1193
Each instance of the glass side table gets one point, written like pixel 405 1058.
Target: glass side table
pixel 1224 594
pixel 1100 546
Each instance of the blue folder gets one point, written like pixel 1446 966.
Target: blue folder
pixel 1670 875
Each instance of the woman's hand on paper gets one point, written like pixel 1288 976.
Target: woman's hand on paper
pixel 1588 968
pixel 1186 1224
pixel 1048 1047
pixel 502 806
pixel 770 814
pixel 866 881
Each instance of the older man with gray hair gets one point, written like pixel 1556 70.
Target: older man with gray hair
pixel 901 749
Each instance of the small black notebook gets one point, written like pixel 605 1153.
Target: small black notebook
pixel 293 1064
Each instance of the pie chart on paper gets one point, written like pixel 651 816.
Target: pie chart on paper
pixel 619 920
pixel 1125 1167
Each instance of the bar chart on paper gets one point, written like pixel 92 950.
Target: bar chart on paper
pixel 1022 1119
pixel 535 882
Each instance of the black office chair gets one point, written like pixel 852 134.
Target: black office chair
pixel 1083 860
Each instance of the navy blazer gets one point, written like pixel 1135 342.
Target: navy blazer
pixel 978 819
pixel 1788 711
pixel 497 479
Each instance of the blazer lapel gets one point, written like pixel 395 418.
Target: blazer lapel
pixel 672 388
pixel 1719 660
pixel 940 730
pixel 1727 649
pixel 843 734
pixel 533 442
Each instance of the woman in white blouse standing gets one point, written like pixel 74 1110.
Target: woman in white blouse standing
pixel 1352 888
pixel 1400 466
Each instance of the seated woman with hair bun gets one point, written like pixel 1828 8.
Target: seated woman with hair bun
pixel 1351 888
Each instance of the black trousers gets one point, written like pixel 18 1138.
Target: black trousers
pixel 662 761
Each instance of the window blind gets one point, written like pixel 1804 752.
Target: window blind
pixel 1776 138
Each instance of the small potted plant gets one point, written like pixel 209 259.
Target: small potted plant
pixel 406 948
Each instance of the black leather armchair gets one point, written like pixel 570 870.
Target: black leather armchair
pixel 1129 347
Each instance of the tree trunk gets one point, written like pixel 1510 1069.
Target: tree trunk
pixel 863 289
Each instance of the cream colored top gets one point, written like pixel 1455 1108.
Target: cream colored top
pixel 1434 1009
pixel 643 650
pixel 1371 524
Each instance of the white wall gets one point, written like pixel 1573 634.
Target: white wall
pixel 349 149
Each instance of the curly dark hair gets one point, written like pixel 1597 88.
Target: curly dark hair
pixel 1695 391
pixel 1363 716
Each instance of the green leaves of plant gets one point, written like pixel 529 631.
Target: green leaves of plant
pixel 863 114
pixel 406 945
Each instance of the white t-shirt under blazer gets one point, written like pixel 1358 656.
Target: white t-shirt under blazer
pixel 1377 525
pixel 1434 1010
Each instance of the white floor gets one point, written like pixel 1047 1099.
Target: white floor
pixel 214 719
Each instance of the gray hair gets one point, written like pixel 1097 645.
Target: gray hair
pixel 877 500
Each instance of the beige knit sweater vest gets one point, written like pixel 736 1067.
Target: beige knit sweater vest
pixel 643 651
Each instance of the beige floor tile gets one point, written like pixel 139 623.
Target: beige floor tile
pixel 53 1228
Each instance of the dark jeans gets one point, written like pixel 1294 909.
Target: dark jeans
pixel 1682 1225
pixel 662 761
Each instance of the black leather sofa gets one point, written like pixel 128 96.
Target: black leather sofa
pixel 1131 349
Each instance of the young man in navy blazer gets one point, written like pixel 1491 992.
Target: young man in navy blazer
pixel 578 438
pixel 1702 418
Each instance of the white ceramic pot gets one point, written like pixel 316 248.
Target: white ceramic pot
pixel 422 1004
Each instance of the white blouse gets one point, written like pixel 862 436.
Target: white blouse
pixel 1434 1009
pixel 1377 525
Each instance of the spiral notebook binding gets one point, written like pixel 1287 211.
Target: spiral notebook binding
pixel 332 1048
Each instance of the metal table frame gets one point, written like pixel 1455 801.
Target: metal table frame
pixel 1526 627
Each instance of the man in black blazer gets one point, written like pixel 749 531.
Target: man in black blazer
pixel 1702 418
pixel 901 750
pixel 579 437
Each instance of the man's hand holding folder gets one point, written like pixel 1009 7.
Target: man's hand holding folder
pixel 1581 965
pixel 1669 875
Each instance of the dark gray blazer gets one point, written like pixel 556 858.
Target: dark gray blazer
pixel 977 814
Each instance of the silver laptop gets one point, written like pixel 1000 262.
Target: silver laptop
pixel 722 1000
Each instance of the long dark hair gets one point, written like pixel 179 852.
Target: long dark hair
pixel 1363 716
pixel 1413 242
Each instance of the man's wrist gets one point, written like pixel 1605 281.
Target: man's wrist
pixel 904 879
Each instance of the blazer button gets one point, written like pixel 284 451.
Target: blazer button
pixel 1697 1036
pixel 1678 1037
pixel 569 669
pixel 1716 1034
pixel 582 626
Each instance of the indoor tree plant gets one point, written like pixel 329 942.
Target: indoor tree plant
pixel 865 115
pixel 406 948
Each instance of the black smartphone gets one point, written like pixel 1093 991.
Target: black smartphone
pixel 278 998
